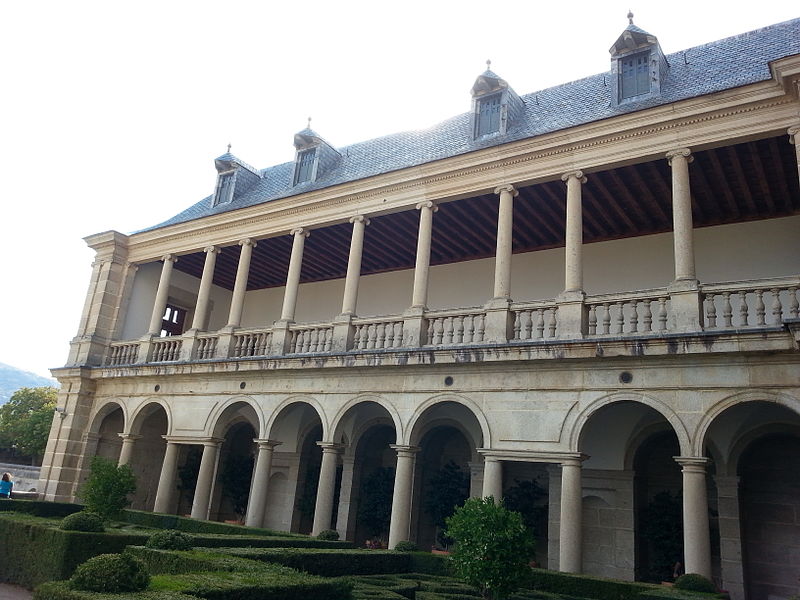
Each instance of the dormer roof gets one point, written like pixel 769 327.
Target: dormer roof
pixel 228 162
pixel 631 39
pixel 488 82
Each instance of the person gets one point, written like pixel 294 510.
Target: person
pixel 6 485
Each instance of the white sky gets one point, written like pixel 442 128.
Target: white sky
pixel 111 113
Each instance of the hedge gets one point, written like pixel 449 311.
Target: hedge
pixel 189 525
pixel 59 590
pixel 432 564
pixel 39 508
pixel 162 562
pixel 330 563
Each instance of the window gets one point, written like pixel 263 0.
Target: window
pixel 305 166
pixel 225 185
pixel 173 321
pixel 488 120
pixel 634 76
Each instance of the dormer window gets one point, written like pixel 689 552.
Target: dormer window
pixel 488 117
pixel 304 169
pixel 634 75
pixel 226 182
pixel 234 177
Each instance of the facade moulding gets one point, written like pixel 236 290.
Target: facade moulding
pixel 531 455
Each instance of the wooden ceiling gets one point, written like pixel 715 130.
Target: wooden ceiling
pixel 748 181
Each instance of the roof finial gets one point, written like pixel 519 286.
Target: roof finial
pixel 229 148
pixel 488 64
pixel 630 17
pixel 309 123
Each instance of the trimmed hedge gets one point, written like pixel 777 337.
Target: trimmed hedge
pixel 330 563
pixel 431 564
pixel 583 586
pixel 39 508
pixel 112 573
pixel 162 521
pixel 164 562
pixel 60 590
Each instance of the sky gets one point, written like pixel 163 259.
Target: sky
pixel 111 113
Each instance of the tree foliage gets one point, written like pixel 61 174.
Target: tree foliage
pixel 446 489
pixel 26 418
pixel 107 488
pixel 375 503
pixel 493 547
pixel 237 473
pixel 662 527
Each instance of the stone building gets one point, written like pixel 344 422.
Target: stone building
pixel 588 294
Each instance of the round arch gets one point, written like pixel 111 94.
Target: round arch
pixel 412 433
pixel 145 410
pixel 338 419
pixel 576 429
pixel 104 409
pixel 215 424
pixel 281 409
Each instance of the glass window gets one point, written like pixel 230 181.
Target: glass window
pixel 634 76
pixel 305 166
pixel 172 323
pixel 225 186
pixel 488 115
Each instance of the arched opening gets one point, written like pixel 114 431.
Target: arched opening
pixel 109 444
pixel 307 480
pixel 629 474
pixel 148 455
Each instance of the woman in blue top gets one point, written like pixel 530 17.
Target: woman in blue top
pixel 5 486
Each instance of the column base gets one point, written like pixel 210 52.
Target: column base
pixel 686 306
pixel 281 337
pixel 343 332
pixel 499 323
pixel 573 315
pixel 415 327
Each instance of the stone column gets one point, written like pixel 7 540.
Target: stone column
pixel 505 223
pixel 419 297
pixel 200 321
pixel 258 488
pixel 166 482
pixel 162 295
pixel 730 536
pixel 570 534
pixel 401 498
pixel 326 487
pixel 240 286
pixel 205 480
pixel 573 280
pixel 354 265
pixel 125 453
pixel 682 214
pixel 493 478
pixel 293 276
pixel 345 518
pixel 795 139
pixel 696 536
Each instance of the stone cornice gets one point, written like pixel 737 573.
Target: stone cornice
pixel 725 117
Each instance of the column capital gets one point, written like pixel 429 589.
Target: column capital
pixel 684 152
pixel 695 464
pixel 248 242
pixel 212 250
pixel 793 131
pixel 129 437
pixel 507 188
pixel 330 447
pixel 169 257
pixel 300 231
pixel 573 461
pixel 267 443
pixel 406 451
pixel 426 204
pixel 360 219
pixel 576 174
pixel 213 442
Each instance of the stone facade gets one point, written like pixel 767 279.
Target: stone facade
pixel 589 354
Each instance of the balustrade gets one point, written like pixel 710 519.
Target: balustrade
pixel 460 328
pixel 122 353
pixel 748 304
pixel 206 346
pixel 307 340
pixel 535 321
pixel 644 313
pixel 378 335
pixel 251 343
pixel 166 349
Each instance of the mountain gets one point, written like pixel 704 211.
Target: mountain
pixel 11 379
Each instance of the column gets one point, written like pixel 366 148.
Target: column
pixel 794 139
pixel 205 480
pixel 293 276
pixel 401 498
pixel 128 439
pixel 166 482
pixel 346 517
pixel 326 488
pixel 201 310
pixel 682 214
pixel 570 534
pixel 696 537
pixel 493 478
pixel 573 280
pixel 354 265
pixel 505 223
pixel 258 488
pixel 419 297
pixel 161 295
pixel 240 286
pixel 730 535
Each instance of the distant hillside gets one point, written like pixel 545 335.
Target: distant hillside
pixel 11 379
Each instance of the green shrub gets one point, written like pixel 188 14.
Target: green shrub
pixel 169 539
pixel 695 583
pixel 585 586
pixel 107 488
pixel 330 535
pixel 111 573
pixel 406 546
pixel 328 563
pixel 60 590
pixel 40 508
pixel 431 564
pixel 493 547
pixel 82 521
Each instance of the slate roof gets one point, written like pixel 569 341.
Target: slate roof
pixel 728 63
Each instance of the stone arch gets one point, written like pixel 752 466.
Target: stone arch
pixel 281 409
pixel 360 399
pixel 700 438
pixel 145 410
pixel 412 433
pixel 576 428
pixel 216 423
pixel 104 409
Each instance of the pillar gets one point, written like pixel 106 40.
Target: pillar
pixel 326 487
pixel 125 453
pixel 419 297
pixel 205 480
pixel 696 536
pixel 570 531
pixel 293 276
pixel 401 498
pixel 162 295
pixel 730 536
pixel 354 265
pixel 493 478
pixel 257 502
pixel 505 223
pixel 346 517
pixel 573 279
pixel 240 285
pixel 682 214
pixel 200 321
pixel 166 482
pixel 794 139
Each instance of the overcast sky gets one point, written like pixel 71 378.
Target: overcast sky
pixel 111 113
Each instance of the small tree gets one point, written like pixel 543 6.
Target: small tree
pixel 107 488
pixel 375 503
pixel 493 547
pixel 447 488
pixel 25 421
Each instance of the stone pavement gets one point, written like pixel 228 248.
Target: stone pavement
pixel 14 592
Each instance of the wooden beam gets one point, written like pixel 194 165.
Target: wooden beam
pixel 632 202
pixel 739 174
pixel 722 180
pixel 763 183
pixel 648 193
pixel 780 173
pixel 612 202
